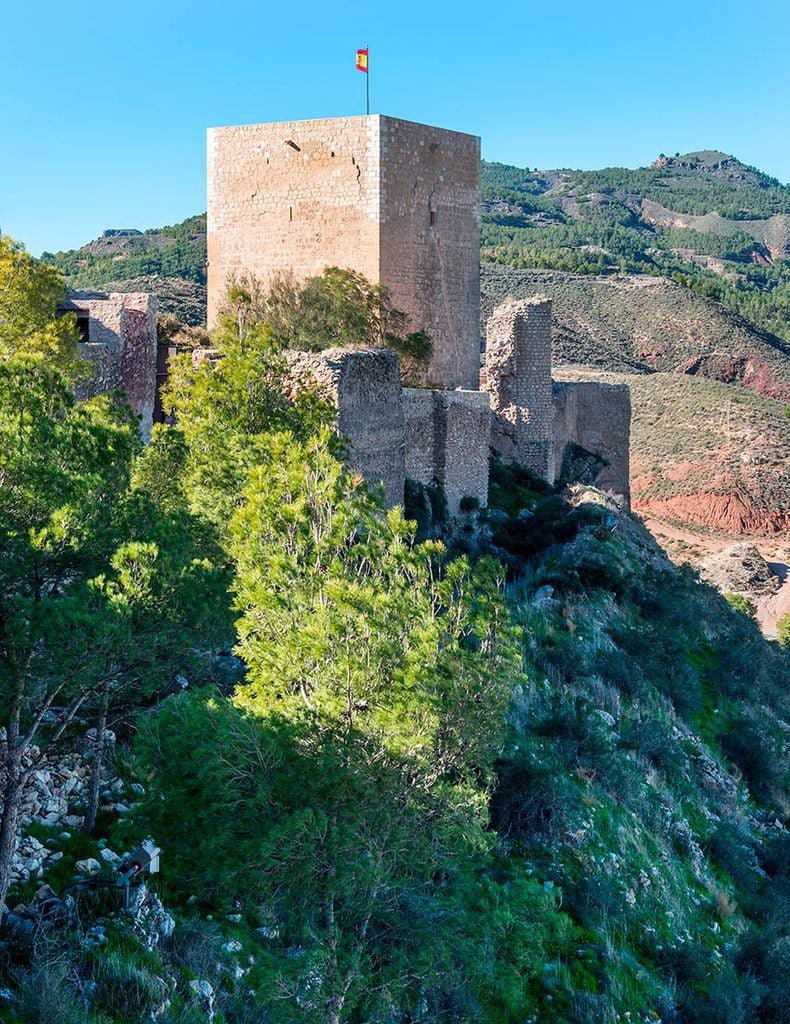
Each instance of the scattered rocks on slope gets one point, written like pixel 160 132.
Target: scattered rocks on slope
pixel 54 797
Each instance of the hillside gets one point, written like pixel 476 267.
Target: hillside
pixel 169 262
pixel 519 769
pixel 704 219
pixel 705 454
pixel 642 324
pixel 178 297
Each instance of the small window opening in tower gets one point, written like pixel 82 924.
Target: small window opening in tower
pixel 432 218
pixel 83 319
pixel 290 213
pixel 84 324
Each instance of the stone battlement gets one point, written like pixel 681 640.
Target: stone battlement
pixel 399 203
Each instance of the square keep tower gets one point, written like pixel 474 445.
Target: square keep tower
pixel 392 199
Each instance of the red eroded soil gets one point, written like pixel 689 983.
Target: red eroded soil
pixel 731 513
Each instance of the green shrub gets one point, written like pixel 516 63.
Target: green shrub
pixel 741 604
pixel 46 995
pixel 125 987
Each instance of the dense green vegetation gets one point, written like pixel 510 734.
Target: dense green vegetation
pixel 533 773
pixel 590 222
pixel 178 250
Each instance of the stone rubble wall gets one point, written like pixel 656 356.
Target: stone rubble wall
pixel 419 416
pixel 447 442
pixel 122 345
pixel 595 417
pixel 54 797
pixel 394 200
pixel 518 379
pixel 364 386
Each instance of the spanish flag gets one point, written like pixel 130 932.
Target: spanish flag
pixel 362 60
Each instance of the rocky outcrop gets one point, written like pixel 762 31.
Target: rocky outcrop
pixel 740 569
pixel 54 798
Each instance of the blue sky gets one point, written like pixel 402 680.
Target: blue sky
pixel 104 106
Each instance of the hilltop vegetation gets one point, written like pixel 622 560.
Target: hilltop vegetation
pixel 531 772
pixel 178 250
pixel 704 220
pixel 169 261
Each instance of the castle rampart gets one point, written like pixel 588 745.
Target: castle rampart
pixel 592 430
pixel 448 435
pixel 398 202
pixel 364 386
pixel 394 200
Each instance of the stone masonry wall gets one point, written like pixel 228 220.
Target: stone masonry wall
pixel 593 419
pixel 122 345
pixel 394 200
pixel 364 386
pixel 518 379
pixel 418 415
pixel 447 442
pixel 295 196
pixel 430 241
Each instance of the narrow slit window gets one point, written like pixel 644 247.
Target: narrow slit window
pixel 432 218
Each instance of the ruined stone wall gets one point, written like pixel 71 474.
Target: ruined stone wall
pixel 364 386
pixel 394 200
pixel 518 379
pixel 122 345
pixel 592 429
pixel 447 442
pixel 418 415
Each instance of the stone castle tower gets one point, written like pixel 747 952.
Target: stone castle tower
pixel 392 199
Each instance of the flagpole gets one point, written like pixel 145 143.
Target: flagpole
pixel 367 82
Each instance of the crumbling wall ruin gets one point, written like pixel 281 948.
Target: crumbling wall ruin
pixel 119 337
pixel 592 430
pixel 447 443
pixel 364 386
pixel 518 379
